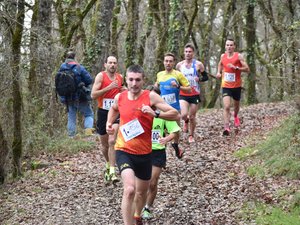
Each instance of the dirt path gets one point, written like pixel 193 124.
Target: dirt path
pixel 208 186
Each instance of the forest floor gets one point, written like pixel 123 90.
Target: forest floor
pixel 208 186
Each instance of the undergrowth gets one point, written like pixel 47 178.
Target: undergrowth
pixel 278 155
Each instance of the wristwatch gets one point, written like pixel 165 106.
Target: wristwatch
pixel 237 68
pixel 157 112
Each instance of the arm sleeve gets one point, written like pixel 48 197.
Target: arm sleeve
pixel 85 76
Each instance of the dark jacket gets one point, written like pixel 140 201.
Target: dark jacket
pixel 81 75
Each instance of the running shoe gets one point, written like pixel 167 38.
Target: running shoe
pixel 146 214
pixel 237 122
pixel 178 151
pixel 191 139
pixel 114 178
pixel 107 177
pixel 186 127
pixel 138 220
pixel 226 132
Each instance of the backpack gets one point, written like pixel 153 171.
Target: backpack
pixel 65 84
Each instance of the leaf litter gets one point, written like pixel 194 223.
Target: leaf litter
pixel 207 186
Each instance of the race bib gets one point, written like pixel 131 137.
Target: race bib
pixel 131 130
pixel 155 136
pixel 170 98
pixel 229 77
pixel 107 103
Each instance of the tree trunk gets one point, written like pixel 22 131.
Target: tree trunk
pixel 114 29
pixel 160 13
pixel 44 71
pixel 98 43
pixel 250 40
pixel 17 99
pixel 216 91
pixel 132 32
pixel 3 156
pixel 176 35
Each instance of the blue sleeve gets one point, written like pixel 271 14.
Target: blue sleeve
pixel 85 76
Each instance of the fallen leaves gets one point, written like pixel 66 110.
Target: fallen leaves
pixel 208 186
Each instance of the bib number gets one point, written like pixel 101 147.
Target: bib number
pixel 170 98
pixel 131 130
pixel 155 136
pixel 229 77
pixel 107 103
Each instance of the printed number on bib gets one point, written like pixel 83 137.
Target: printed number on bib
pixel 229 77
pixel 107 103
pixel 155 136
pixel 131 130
pixel 170 98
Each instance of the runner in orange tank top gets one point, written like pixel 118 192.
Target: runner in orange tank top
pixel 107 85
pixel 229 68
pixel 137 108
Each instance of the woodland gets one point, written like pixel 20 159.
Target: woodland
pixel 36 34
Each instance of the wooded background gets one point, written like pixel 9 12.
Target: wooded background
pixel 35 35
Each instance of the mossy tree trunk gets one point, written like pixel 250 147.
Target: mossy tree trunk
pixel 132 27
pixel 32 78
pixel 98 42
pixel 226 16
pixel 250 36
pixel 176 28
pixel 160 14
pixel 295 62
pixel 114 29
pixel 3 155
pixel 17 147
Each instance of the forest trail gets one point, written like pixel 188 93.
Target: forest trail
pixel 208 186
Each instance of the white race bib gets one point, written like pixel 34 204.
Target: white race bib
pixel 107 103
pixel 155 136
pixel 229 77
pixel 131 130
pixel 170 98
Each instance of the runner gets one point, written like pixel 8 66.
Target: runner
pixel 229 68
pixel 107 85
pixel 190 102
pixel 133 145
pixel 159 158
pixel 170 82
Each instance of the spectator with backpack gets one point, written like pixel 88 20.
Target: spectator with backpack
pixel 72 84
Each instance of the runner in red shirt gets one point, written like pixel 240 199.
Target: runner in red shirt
pixel 229 68
pixel 137 108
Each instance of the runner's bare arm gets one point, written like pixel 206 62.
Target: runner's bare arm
pixel 245 67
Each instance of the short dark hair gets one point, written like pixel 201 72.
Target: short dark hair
pixel 153 88
pixel 170 54
pixel 230 39
pixel 135 68
pixel 70 55
pixel 189 45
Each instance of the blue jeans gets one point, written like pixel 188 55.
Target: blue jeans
pixel 85 109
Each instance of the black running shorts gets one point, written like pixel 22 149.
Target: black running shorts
pixel 195 99
pixel 140 164
pixel 101 121
pixel 235 93
pixel 159 158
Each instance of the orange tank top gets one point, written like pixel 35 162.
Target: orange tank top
pixel 105 101
pixel 130 110
pixel 231 78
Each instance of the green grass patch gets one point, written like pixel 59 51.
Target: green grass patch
pixel 279 154
pixel 264 214
pixel 70 146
